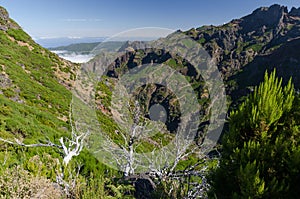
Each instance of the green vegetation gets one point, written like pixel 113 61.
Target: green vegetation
pixel 34 107
pixel 201 40
pixel 261 150
pixel 260 153
pixel 255 47
pixel 104 93
pixel 241 46
pixel 19 35
pixel 172 63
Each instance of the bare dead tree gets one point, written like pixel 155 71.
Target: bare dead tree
pixel 68 147
pixel 125 159
pixel 162 167
pixel 18 142
pixel 130 141
pixel 72 147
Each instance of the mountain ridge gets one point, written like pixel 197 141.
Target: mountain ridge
pixel 243 49
pixel 246 46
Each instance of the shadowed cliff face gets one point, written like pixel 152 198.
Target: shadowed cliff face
pixel 236 43
pixel 159 104
pixel 244 48
pixel 152 95
pixel 264 18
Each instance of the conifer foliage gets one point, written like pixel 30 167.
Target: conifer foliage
pixel 261 153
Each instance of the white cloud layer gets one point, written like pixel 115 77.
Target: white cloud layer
pixel 74 57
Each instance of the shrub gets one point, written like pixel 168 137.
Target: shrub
pixel 16 182
pixel 262 145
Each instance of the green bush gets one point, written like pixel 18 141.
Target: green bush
pixel 259 151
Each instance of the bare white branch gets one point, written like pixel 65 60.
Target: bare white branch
pixel 68 147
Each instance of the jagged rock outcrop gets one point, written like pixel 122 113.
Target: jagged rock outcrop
pixel 5 21
pixel 4 14
pixel 295 12
pixel 263 18
pixel 235 44
pixel 4 18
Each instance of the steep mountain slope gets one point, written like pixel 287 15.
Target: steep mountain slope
pixel 34 83
pixel 151 94
pixel 244 48
pixel 35 97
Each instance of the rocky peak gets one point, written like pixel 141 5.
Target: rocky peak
pixel 265 16
pixel 3 14
pixel 133 45
pixel 5 21
pixel 295 12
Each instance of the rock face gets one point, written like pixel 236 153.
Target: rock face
pixel 5 21
pixel 251 42
pixel 3 14
pixel 265 17
pixel 4 17
pixel 295 12
pixel 152 94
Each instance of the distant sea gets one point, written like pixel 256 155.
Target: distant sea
pixel 64 41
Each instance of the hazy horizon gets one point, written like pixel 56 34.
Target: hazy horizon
pixel 70 19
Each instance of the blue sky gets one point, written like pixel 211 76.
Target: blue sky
pixel 97 18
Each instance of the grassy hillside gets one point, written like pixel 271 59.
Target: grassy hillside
pixel 35 95
pixel 34 91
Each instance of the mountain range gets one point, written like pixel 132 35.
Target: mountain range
pixel 245 48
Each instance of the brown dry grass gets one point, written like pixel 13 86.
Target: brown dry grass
pixel 18 183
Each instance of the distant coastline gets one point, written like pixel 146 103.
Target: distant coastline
pixel 64 41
